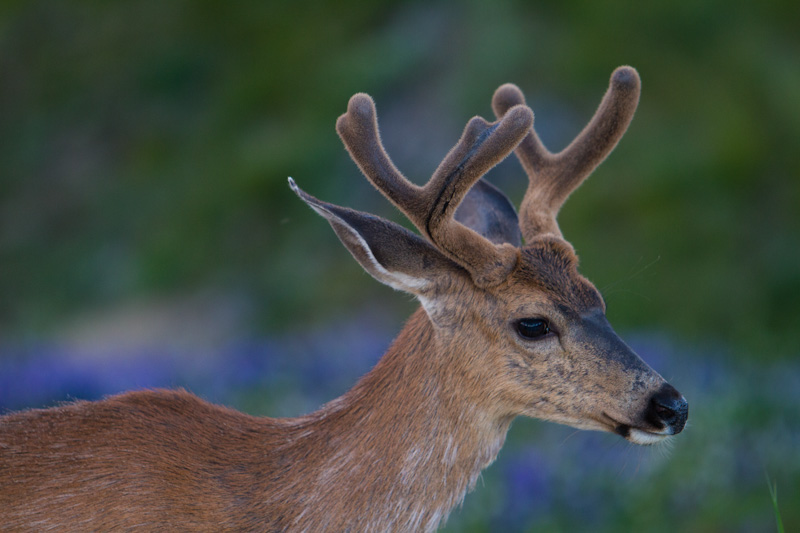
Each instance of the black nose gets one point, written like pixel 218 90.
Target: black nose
pixel 669 409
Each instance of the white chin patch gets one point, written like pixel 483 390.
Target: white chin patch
pixel 637 436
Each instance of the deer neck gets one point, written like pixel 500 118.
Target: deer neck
pixel 405 445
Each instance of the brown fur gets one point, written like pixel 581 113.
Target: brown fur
pixel 407 442
pixel 166 460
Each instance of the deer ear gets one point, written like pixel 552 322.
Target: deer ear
pixel 389 252
pixel 489 212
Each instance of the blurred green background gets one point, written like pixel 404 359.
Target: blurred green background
pixel 145 146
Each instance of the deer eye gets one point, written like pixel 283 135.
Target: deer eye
pixel 532 328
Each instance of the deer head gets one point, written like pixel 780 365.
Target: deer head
pixel 521 331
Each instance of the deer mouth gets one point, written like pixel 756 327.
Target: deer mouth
pixel 641 436
pixel 636 435
pixel 665 415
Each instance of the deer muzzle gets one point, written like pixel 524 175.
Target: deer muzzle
pixel 643 407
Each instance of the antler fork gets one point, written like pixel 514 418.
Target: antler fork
pixel 431 207
pixel 552 177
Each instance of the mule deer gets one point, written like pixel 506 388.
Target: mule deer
pixel 505 329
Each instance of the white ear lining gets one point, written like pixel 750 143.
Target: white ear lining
pixel 396 280
pixel 419 287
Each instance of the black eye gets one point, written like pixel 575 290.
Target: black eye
pixel 532 328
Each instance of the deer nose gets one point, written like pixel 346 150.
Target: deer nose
pixel 668 408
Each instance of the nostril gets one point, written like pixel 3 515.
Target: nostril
pixel 664 412
pixel 669 408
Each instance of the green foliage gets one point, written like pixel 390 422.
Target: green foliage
pixel 144 148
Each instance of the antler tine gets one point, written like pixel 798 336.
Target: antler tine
pixel 481 147
pixel 358 129
pixel 554 176
pixel 432 206
pixel 531 152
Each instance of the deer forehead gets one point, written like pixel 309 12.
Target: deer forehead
pixel 545 281
pixel 548 269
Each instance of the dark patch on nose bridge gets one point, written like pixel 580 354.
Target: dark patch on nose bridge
pixel 598 333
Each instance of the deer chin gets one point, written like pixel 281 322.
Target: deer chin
pixel 642 436
pixel 636 435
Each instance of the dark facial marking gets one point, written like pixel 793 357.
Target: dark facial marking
pixel 597 332
pixel 622 430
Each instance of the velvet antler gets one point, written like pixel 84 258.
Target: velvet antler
pixel 554 176
pixel 431 207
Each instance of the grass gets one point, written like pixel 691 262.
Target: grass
pixel 773 493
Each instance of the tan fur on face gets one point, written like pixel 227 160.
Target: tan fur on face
pixel 575 378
